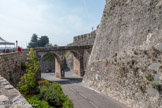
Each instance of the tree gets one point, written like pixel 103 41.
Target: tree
pixel 34 38
pixel 34 41
pixel 43 40
pixel 49 45
pixel 28 81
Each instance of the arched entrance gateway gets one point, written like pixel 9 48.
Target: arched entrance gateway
pixel 59 54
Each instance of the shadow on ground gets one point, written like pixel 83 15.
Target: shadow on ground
pixel 69 81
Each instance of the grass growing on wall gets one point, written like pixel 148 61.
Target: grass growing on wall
pixel 68 53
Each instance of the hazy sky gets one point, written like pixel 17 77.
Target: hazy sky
pixel 60 20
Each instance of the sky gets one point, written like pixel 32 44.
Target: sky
pixel 60 20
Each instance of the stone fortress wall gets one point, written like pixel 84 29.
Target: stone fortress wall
pixel 10 97
pixel 10 66
pixel 126 59
pixel 85 39
pixel 10 73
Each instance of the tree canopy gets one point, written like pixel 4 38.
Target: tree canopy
pixel 43 40
pixel 38 42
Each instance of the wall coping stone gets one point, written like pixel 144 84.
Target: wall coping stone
pixel 10 97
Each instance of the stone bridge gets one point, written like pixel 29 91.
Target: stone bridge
pixel 59 54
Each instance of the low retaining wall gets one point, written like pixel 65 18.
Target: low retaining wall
pixel 10 97
pixel 10 66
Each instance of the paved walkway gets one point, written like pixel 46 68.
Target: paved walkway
pixel 81 96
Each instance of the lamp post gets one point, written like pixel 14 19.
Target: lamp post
pixel 16 43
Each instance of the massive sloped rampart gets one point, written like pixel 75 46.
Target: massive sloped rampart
pixel 126 59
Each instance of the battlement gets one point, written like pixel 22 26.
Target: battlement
pixel 85 39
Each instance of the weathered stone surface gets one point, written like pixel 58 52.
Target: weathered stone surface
pixel 85 39
pixel 2 106
pixel 8 87
pixel 59 53
pixel 70 62
pixel 5 83
pixel 159 46
pixel 10 66
pixel 152 92
pixel 122 52
pixel 10 97
pixel 47 66
pixel 155 66
pixel 3 98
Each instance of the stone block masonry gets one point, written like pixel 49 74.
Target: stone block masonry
pixel 85 39
pixel 133 77
pixel 122 64
pixel 10 66
pixel 10 97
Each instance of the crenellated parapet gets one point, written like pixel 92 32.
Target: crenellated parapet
pixel 85 39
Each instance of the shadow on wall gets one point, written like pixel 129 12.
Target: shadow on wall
pixel 48 66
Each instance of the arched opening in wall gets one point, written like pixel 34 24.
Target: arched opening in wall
pixel 51 64
pixel 58 67
pixel 47 64
pixel 72 64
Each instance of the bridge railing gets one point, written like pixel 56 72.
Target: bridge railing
pixel 44 49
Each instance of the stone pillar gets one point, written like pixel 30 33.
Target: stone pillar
pixel 82 70
pixel 76 67
pixel 59 69
pixel 62 70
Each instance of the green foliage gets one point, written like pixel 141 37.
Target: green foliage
pixel 154 85
pixel 55 45
pixel 149 77
pixel 52 93
pixel 70 44
pixel 38 104
pixel 28 81
pixel 41 42
pixel 34 38
pixel 49 45
pixel 32 65
pixel 67 103
pixel 34 41
pixel 67 54
pixel 23 67
pixel 48 57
